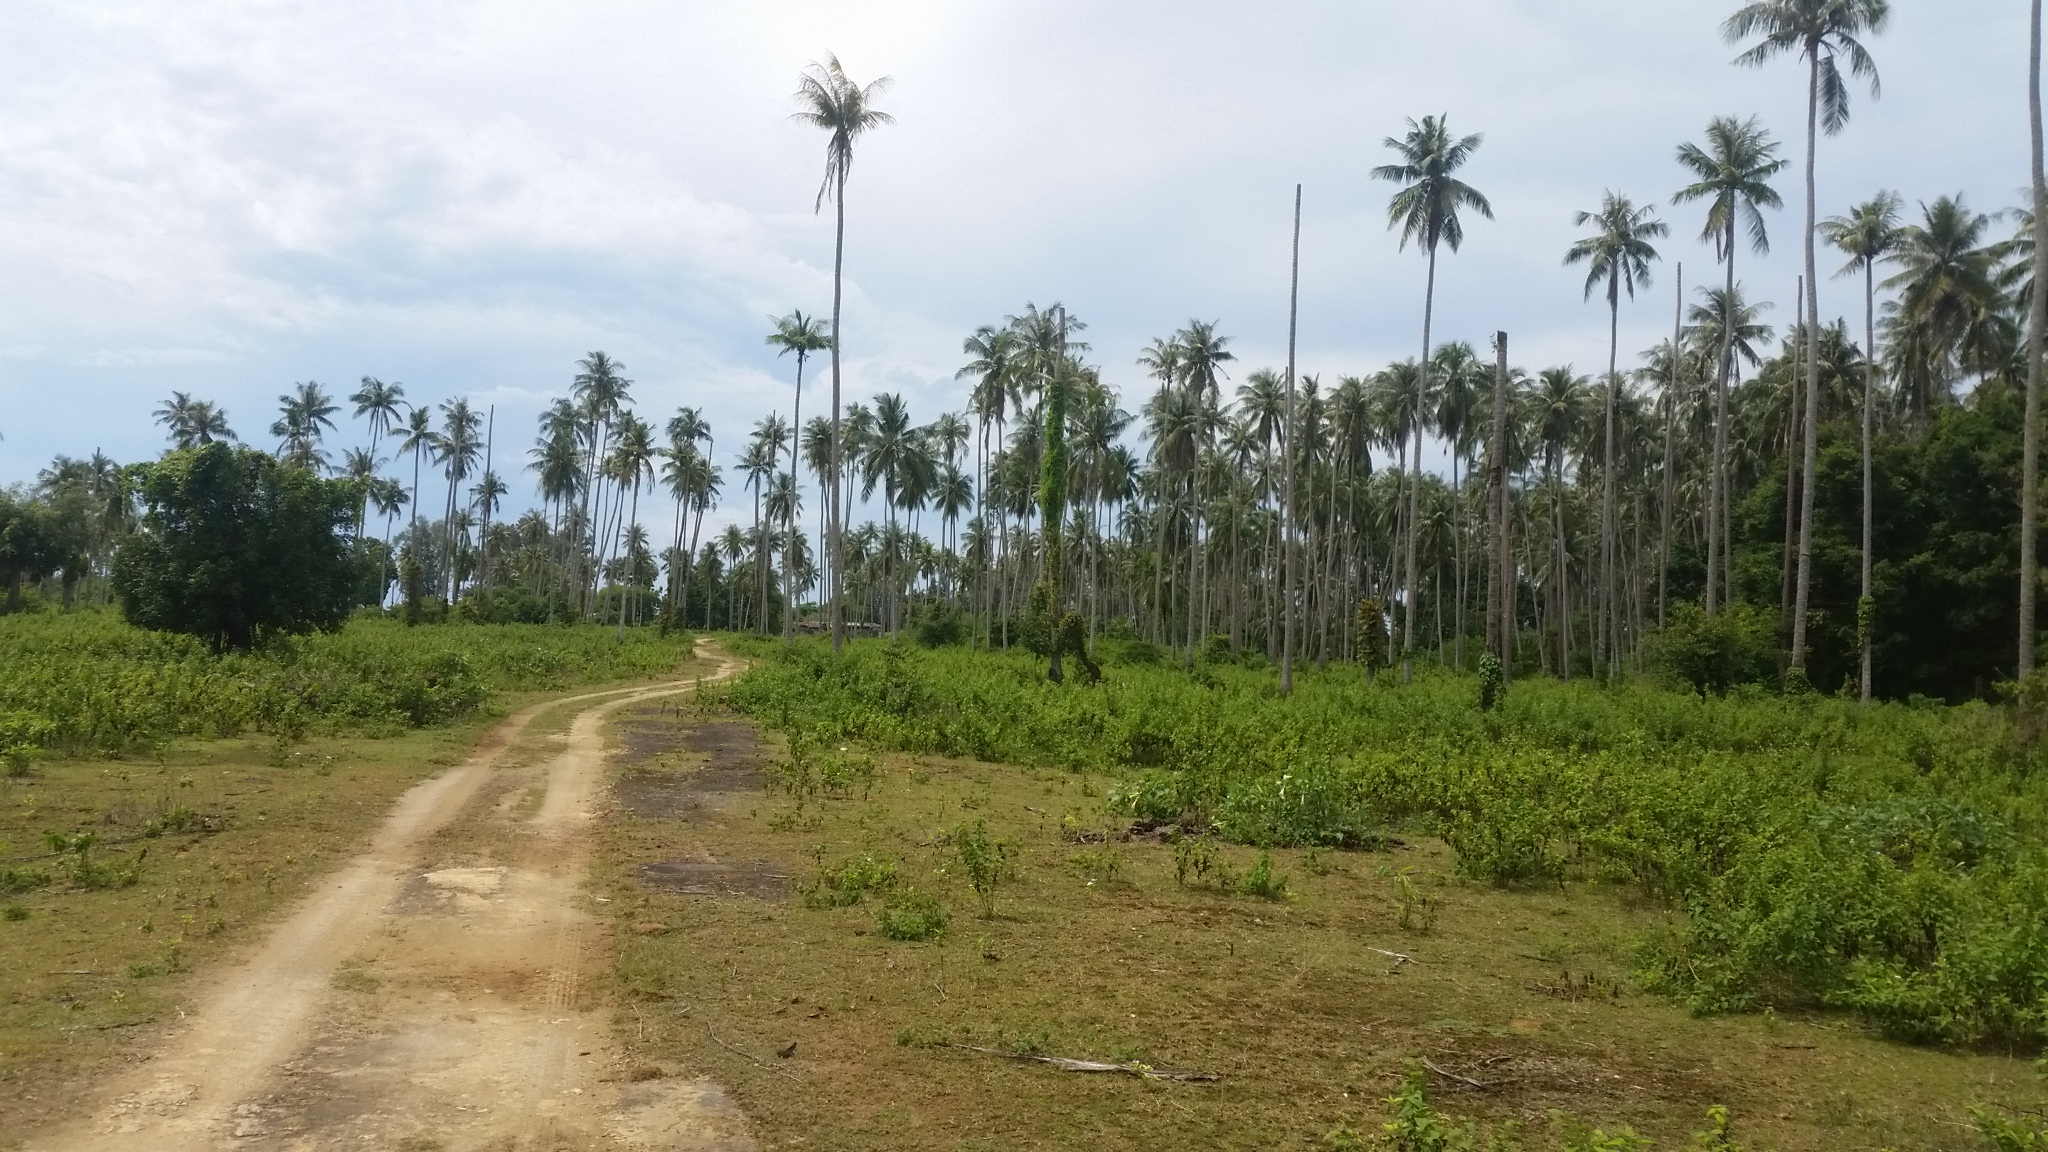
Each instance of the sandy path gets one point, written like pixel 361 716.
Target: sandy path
pixel 410 1004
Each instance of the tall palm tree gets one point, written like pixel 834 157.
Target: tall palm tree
pixel 632 462
pixel 1619 253
pixel 457 449
pixel 420 439
pixel 1822 32
pixel 600 389
pixel 802 335
pixel 1732 175
pixel 832 101
pixel 381 403
pixel 1426 211
pixel 305 410
pixel 1560 403
pixel 1868 234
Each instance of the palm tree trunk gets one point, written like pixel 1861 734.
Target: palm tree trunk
pixel 1803 595
pixel 837 528
pixel 1606 645
pixel 796 439
pixel 1414 522
pixel 1670 427
pixel 1865 609
pixel 2037 321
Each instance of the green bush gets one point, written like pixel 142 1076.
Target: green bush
pixel 1712 654
pixel 88 681
pixel 909 914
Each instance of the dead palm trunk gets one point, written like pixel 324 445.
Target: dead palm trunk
pixel 1803 594
pixel 2037 321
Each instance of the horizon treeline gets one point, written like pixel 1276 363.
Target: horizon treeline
pixel 1838 492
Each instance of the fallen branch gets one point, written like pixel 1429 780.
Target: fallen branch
pixel 1397 957
pixel 1069 1065
pixel 746 1055
pixel 1482 1085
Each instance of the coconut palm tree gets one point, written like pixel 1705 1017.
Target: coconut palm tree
pixel 381 403
pixel 1822 32
pixel 1618 253
pixel 1426 211
pixel 420 439
pixel 1732 175
pixel 802 335
pixel 457 450
pixel 1868 234
pixel 831 100
pixel 305 411
pixel 1559 410
pixel 632 462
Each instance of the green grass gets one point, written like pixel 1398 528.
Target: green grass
pixel 1890 861
pixel 1121 949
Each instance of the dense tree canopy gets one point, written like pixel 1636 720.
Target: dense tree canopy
pixel 235 546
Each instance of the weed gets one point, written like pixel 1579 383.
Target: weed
pixel 1196 857
pixel 846 884
pixel 1099 866
pixel 908 914
pixel 1417 1126
pixel 1261 882
pixel 1417 908
pixel 16 912
pixel 1315 860
pixel 13 880
pixel 921 1036
pixel 1578 1137
pixel 87 872
pixel 355 980
pixel 985 861
pixel 2018 1134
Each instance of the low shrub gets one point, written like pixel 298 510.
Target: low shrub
pixel 909 914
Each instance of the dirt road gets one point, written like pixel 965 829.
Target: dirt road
pixel 431 994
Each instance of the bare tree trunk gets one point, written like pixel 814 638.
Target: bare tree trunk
pixel 1803 595
pixel 1670 428
pixel 1287 574
pixel 2037 320
pixel 836 530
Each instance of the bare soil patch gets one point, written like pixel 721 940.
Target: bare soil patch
pixel 758 879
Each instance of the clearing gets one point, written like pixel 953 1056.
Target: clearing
pixel 433 992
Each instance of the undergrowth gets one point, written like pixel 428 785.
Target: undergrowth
pixel 91 682
pixel 1889 860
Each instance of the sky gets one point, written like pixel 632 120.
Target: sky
pixel 228 198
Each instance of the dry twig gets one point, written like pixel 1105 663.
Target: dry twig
pixel 1068 1065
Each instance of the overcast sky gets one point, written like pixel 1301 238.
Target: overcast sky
pixel 226 198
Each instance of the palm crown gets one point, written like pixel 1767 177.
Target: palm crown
pixel 1426 209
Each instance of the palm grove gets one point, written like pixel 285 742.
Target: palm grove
pixel 1833 501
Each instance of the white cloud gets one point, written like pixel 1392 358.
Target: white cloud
pixel 228 197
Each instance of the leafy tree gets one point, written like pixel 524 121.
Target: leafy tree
pixel 235 547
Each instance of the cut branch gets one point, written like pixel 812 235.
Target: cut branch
pixel 1065 1064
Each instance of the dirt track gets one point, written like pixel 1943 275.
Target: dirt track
pixel 424 1003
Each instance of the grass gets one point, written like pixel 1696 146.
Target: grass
pixel 1140 950
pixel 197 843
pixel 1892 861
